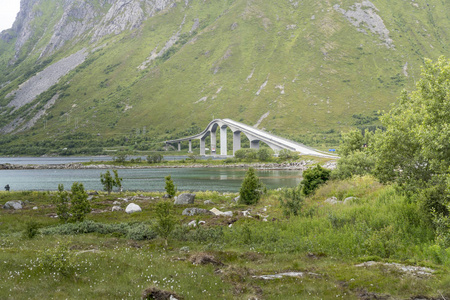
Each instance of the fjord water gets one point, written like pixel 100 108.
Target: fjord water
pixel 186 179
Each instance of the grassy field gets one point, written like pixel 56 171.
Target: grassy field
pixel 114 255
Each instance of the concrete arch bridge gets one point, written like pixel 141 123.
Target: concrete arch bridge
pixel 254 135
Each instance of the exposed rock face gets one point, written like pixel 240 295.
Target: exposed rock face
pixel 365 14
pixel 13 205
pixel 81 19
pixel 185 198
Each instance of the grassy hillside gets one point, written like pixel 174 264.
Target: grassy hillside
pixel 304 63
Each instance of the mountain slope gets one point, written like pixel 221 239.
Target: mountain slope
pixel 159 69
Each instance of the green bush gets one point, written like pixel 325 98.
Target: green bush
pixel 155 158
pixel 31 230
pixel 135 231
pixel 285 154
pixel 264 154
pixel 80 206
pixel 251 188
pixel 170 188
pixel 62 204
pixel 314 177
pixel 58 259
pixel 291 202
pixel 165 220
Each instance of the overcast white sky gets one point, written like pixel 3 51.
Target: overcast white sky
pixel 8 12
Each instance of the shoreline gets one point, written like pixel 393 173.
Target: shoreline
pixel 301 165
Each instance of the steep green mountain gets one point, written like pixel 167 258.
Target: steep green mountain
pixel 103 72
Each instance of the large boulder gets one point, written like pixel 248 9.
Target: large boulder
pixel 196 211
pixel 131 208
pixel 185 198
pixel 15 204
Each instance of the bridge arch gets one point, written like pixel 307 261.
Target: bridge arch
pixel 254 135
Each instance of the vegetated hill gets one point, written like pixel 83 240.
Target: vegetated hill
pixel 150 70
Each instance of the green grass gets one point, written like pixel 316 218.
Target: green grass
pixel 327 240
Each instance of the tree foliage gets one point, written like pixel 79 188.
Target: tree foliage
pixel 170 187
pixel 251 188
pixel 80 206
pixel 416 144
pixel 314 177
pixel 62 204
pixel 109 182
pixel 165 220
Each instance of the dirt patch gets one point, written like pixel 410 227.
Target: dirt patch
pixel 204 259
pixel 157 294
pixel 365 295
pixel 252 256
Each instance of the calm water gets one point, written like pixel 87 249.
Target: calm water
pixel 186 179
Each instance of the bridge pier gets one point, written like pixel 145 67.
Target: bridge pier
pixel 190 146
pixel 223 140
pixel 179 146
pixel 202 145
pixel 236 141
pixel 254 144
pixel 213 142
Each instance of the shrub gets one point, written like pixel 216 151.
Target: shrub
pixel 171 189
pixel 165 220
pixel 246 154
pixel 251 188
pixel 62 204
pixel 31 230
pixel 288 154
pixel 80 205
pixel 58 259
pixel 264 154
pixel 314 177
pixel 291 201
pixel 121 157
pixel 155 158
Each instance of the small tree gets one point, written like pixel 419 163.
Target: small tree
pixel 171 189
pixel 117 180
pixel 62 204
pixel 291 202
pixel 155 158
pixel 80 205
pixel 251 188
pixel 109 182
pixel 165 219
pixel 121 157
pixel 314 177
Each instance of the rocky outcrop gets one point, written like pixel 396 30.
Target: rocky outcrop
pixel 185 198
pixel 16 204
pixel 365 15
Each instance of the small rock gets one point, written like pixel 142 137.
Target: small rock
pixel 116 203
pixel 237 199
pixel 194 223
pixel 208 202
pixel 333 200
pixel 117 208
pixel 349 200
pixel 90 198
pixel 228 213
pixel 196 211
pixel 35 208
pixel 184 249
pixel 15 204
pixel 185 198
pixel 131 208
